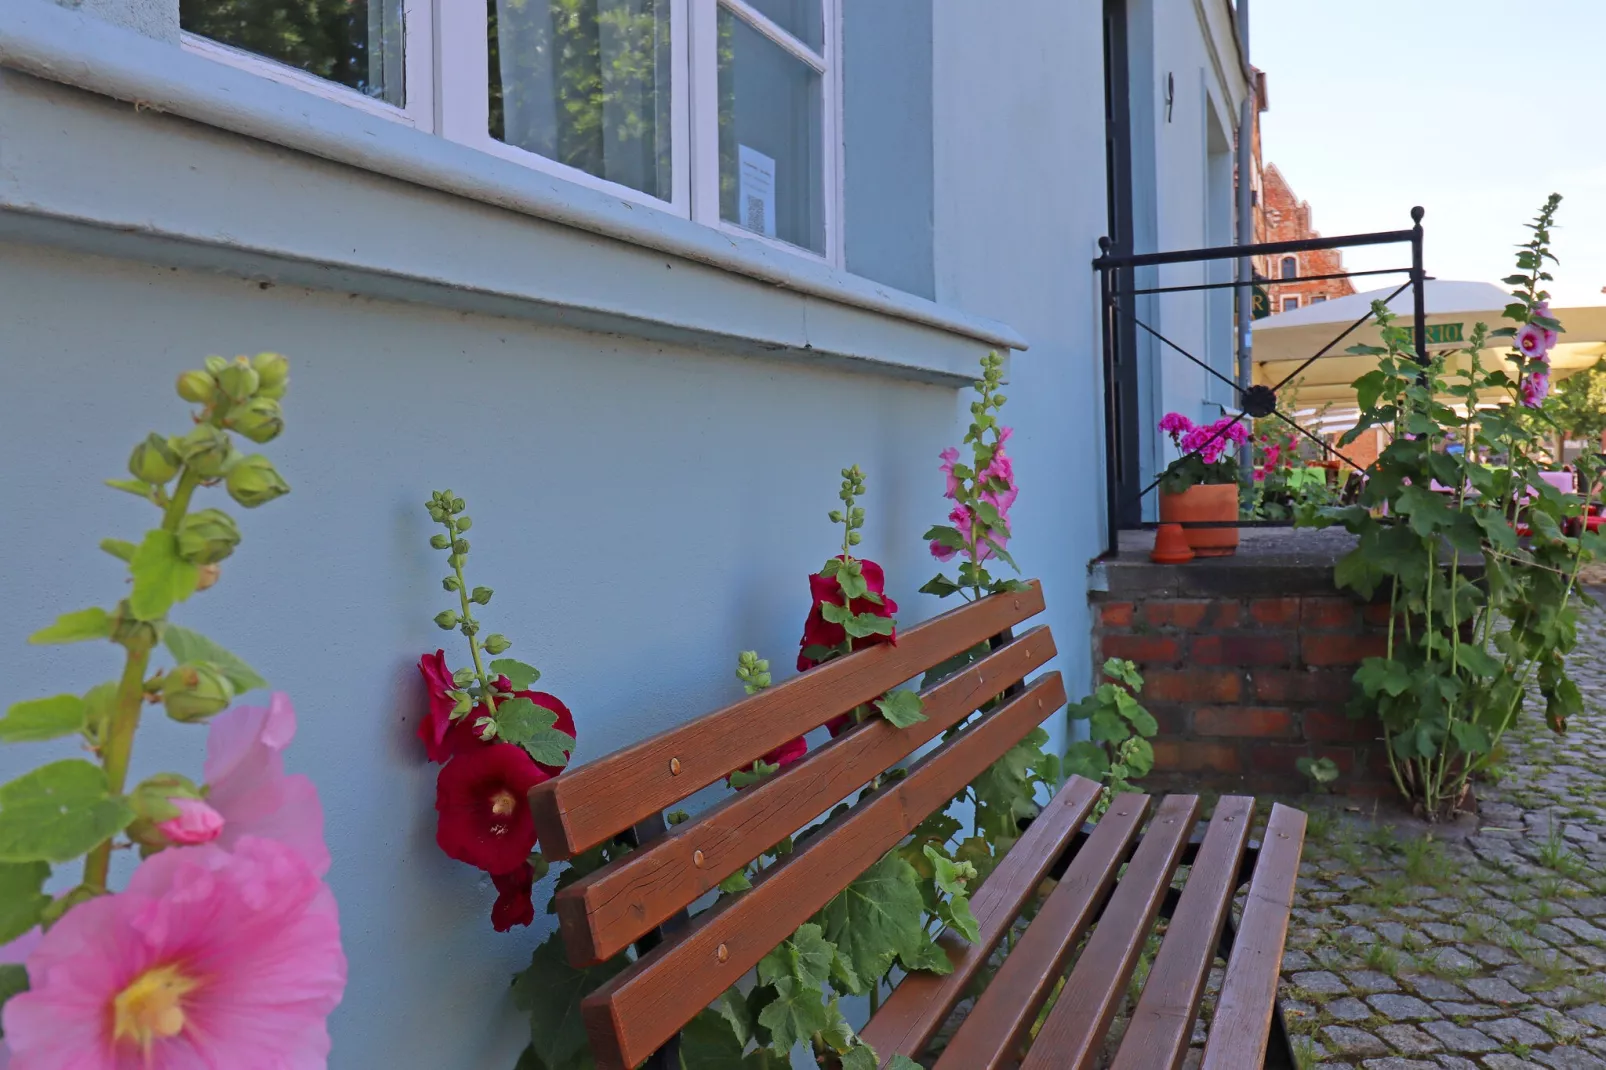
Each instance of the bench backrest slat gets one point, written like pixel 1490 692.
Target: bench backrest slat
pixel 606 911
pixel 598 800
pixel 630 1016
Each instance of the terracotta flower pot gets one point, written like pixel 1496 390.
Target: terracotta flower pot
pixel 1209 501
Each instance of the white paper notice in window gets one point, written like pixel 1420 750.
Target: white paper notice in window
pixel 756 190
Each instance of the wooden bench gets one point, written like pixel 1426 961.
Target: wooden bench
pixel 683 964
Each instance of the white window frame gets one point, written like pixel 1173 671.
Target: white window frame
pixel 447 54
pixel 418 69
pixel 705 116
pixel 1293 307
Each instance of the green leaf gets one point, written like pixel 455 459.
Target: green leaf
pixel 851 580
pixel 1471 738
pixel 940 585
pixel 519 675
pixel 707 1043
pixel 1142 720
pixel 838 1035
pixel 797 1013
pixel 161 577
pixel 806 956
pixel 187 646
pixel 946 537
pixel 732 1006
pixel 736 882
pixel 877 918
pixel 57 812
pixel 861 1057
pixel 13 981
pixel 549 992
pixel 42 718
pixel 121 549
pixel 1383 675
pixel 22 897
pixel 518 720
pixel 956 912
pixel 1478 660
pixel 138 488
pixel 903 1062
pixel 902 708
pixel 927 955
pixel 75 627
pixel 858 625
pixel 1138 755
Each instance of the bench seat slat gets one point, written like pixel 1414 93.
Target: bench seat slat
pixel 603 913
pixel 1242 1023
pixel 646 1004
pixel 1162 1024
pixel 590 803
pixel 918 1006
pixel 1073 1034
pixel 992 1033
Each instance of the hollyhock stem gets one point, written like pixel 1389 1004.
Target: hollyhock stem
pixel 474 639
pixel 118 748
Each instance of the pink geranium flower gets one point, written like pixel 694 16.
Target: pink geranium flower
pixel 210 958
pixel 196 823
pixel 1175 424
pixel 248 787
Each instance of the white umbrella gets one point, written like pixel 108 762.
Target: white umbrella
pixel 1285 340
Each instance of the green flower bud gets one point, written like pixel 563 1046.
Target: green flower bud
pixel 853 538
pixel 451 582
pixel 197 386
pixel 458 505
pixel 460 546
pixel 259 420
pixel 463 677
pixel 272 370
pixel 195 692
pixel 254 481
pixel 215 364
pixel 206 450
pixel 207 536
pixel 480 596
pixel 464 523
pixel 441 542
pixel 496 642
pixel 446 619
pixel 238 381
pixel 454 560
pixel 463 704
pixel 154 460
pixel 129 631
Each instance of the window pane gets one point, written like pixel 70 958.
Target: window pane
pixel 770 138
pixel 803 19
pixel 357 43
pixel 585 83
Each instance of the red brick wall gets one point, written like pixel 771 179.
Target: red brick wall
pixel 1244 686
pixel 1284 217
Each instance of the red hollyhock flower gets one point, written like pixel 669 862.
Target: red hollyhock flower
pixel 817 631
pixel 514 903
pixel 482 797
pixel 437 723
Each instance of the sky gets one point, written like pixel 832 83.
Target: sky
pixel 1474 109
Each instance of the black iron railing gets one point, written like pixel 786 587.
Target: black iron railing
pixel 1122 377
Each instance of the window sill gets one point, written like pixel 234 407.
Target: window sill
pixel 754 297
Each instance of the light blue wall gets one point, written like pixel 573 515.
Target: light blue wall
pixel 644 509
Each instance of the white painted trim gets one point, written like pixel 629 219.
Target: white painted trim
pixel 703 120
pixel 772 29
pixel 47 41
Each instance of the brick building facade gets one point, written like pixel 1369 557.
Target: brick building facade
pixel 1281 216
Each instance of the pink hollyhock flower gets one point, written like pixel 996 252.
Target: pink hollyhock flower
pixel 941 552
pixel 1535 389
pixel 196 823
pixel 209 958
pixel 1534 341
pixel 1000 469
pixel 950 457
pixel 1543 309
pixel 438 721
pixel 249 789
pixel 514 903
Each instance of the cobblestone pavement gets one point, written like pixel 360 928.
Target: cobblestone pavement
pixel 1482 948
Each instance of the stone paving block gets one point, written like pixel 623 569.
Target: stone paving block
pixel 1592 1014
pixel 1321 982
pixel 1430 987
pixel 1371 981
pixel 1394 1062
pixel 1452 1009
pixel 1516 1031
pixel 1503 1061
pixel 1584 930
pixel 1455 1062
pixel 1348 1009
pixel 1347 1040
pixel 1462 1038
pixel 1570 1059
pixel 1399 1008
pixel 1408 1039
pixel 1494 990
pixel 1555 1023
pixel 1296 960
